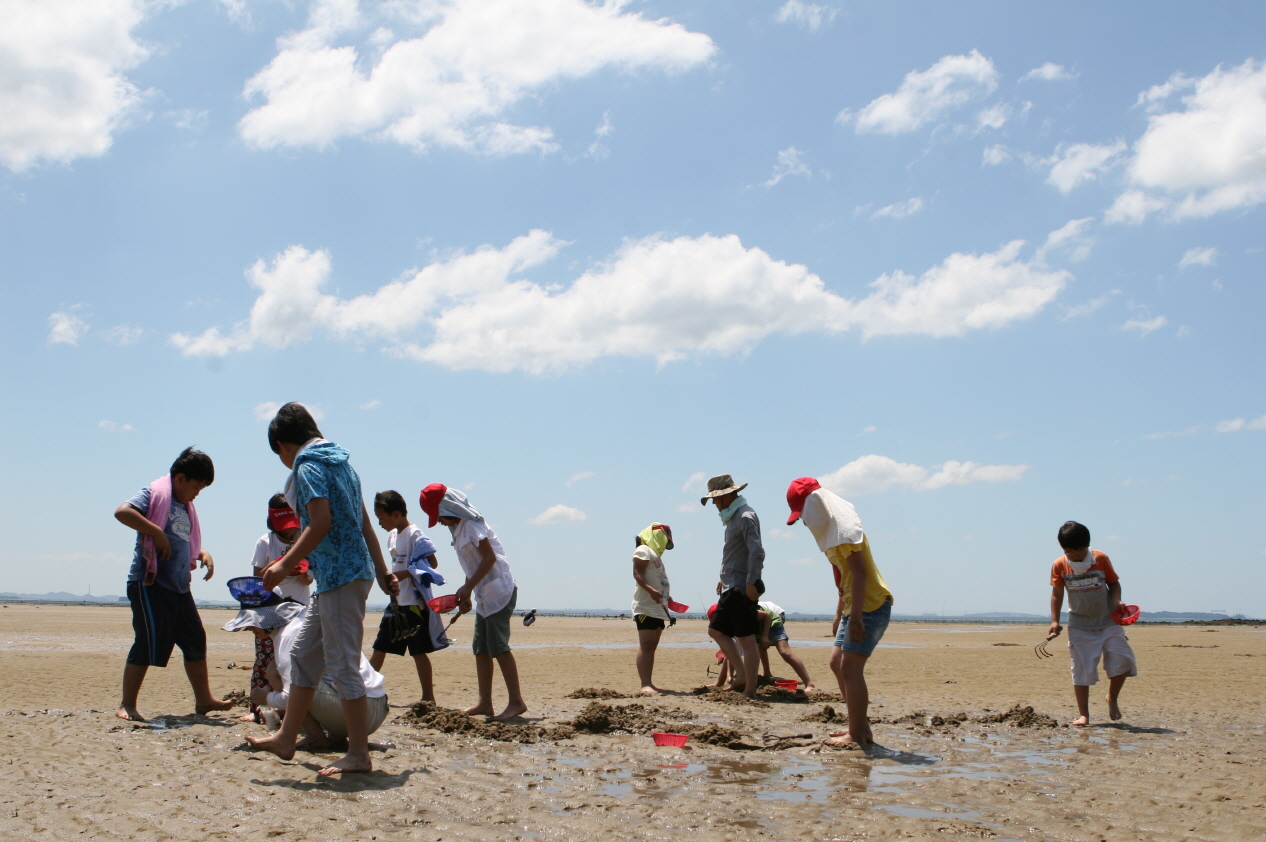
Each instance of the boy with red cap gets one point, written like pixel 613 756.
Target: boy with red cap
pixel 863 595
pixel 489 580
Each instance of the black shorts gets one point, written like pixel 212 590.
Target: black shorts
pixel 163 619
pixel 646 622
pixel 419 644
pixel 735 615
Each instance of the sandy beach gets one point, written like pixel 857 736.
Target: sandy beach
pixel 951 762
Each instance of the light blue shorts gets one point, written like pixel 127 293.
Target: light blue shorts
pixel 874 622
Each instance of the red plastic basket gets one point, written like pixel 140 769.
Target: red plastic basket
pixel 786 683
pixel 677 740
pixel 1125 615
pixel 442 604
pixel 677 607
pixel 720 656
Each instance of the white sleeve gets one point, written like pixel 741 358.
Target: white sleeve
pixel 278 701
pixel 261 558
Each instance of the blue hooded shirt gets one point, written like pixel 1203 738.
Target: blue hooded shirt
pixel 322 471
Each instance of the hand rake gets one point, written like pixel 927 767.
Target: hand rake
pixel 399 625
pixel 1042 651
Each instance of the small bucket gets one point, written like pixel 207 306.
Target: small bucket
pixel 1125 615
pixel 443 604
pixel 786 683
pixel 677 607
pixel 677 740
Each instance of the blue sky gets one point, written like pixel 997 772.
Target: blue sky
pixel 981 268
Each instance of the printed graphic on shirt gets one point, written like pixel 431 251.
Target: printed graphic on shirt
pixel 178 522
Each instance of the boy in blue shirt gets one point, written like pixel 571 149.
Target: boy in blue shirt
pixel 340 544
pixel 168 548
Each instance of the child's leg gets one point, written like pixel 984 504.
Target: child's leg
pixel 733 656
pixel 510 674
pixel 764 661
pixel 133 676
pixel 647 641
pixel 377 659
pixel 1115 683
pixel 1082 693
pixel 423 664
pixel 751 664
pixel 204 700
pixel 189 634
pixel 483 672
pixel 793 660
pixel 852 679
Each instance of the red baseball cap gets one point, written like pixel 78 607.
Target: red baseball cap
pixel 430 499
pixel 797 493
pixel 282 518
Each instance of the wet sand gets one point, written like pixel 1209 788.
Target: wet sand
pixel 1187 762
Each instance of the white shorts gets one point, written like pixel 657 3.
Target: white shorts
pixel 1086 646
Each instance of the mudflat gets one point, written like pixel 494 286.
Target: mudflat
pixel 969 723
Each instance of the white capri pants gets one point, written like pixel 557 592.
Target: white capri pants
pixel 1087 646
pixel 330 639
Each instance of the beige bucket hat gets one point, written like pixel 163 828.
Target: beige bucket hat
pixel 718 486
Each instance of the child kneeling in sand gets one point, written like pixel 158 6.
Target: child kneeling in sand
pixel 489 580
pixel 1094 592
pixel 168 548
pixel 773 622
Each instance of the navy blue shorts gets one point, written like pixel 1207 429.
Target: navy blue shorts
pixel 163 619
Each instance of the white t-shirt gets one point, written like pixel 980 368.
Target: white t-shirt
pixel 494 591
pixel 400 546
pixel 832 520
pixel 657 579
pixel 283 640
pixel 268 549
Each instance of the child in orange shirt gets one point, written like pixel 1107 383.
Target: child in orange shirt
pixel 1094 592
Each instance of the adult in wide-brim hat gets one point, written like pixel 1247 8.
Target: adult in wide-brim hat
pixel 719 486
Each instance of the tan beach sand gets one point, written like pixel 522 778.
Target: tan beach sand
pixel 1188 763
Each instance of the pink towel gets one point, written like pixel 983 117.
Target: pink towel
pixel 159 508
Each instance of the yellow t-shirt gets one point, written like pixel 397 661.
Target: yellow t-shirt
pixel 876 589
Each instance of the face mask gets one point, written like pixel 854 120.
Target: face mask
pixel 728 511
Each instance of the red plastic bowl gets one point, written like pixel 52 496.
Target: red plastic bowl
pixel 662 739
pixel 720 656
pixel 786 683
pixel 441 604
pixel 1125 615
pixel 677 607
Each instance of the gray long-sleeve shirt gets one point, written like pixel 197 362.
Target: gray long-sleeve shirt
pixel 743 557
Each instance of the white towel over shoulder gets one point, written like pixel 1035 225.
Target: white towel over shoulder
pixel 831 519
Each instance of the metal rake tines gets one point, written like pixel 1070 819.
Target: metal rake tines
pixel 399 625
pixel 1042 651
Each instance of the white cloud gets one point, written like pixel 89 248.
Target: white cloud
pixel 65 327
pixel 993 117
pixel 783 534
pixel 1143 326
pixel 1081 162
pixel 1132 207
pixel 63 92
pixel 1169 434
pixel 1208 155
pixel 1199 257
pixel 666 299
pixel 266 410
pixel 809 15
pixel 598 149
pixel 111 427
pixel 558 514
pixel 900 210
pixel 789 162
pixel 995 155
pixel 872 428
pixel 874 474
pixel 1235 425
pixel 1072 240
pixel 1090 306
pixel 806 561
pixel 453 83
pixel 695 483
pixel 371 404
pixel 1048 72
pixel 925 95
pixel 123 335
pixel 577 477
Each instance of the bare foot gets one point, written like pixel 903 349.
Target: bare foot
pixel 214 704
pixel 348 763
pixel 841 739
pixel 481 709
pixel 273 742
pixel 809 688
pixel 649 691
pixel 246 717
pixel 511 711
pixel 1079 722
pixel 1114 710
pixel 130 713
